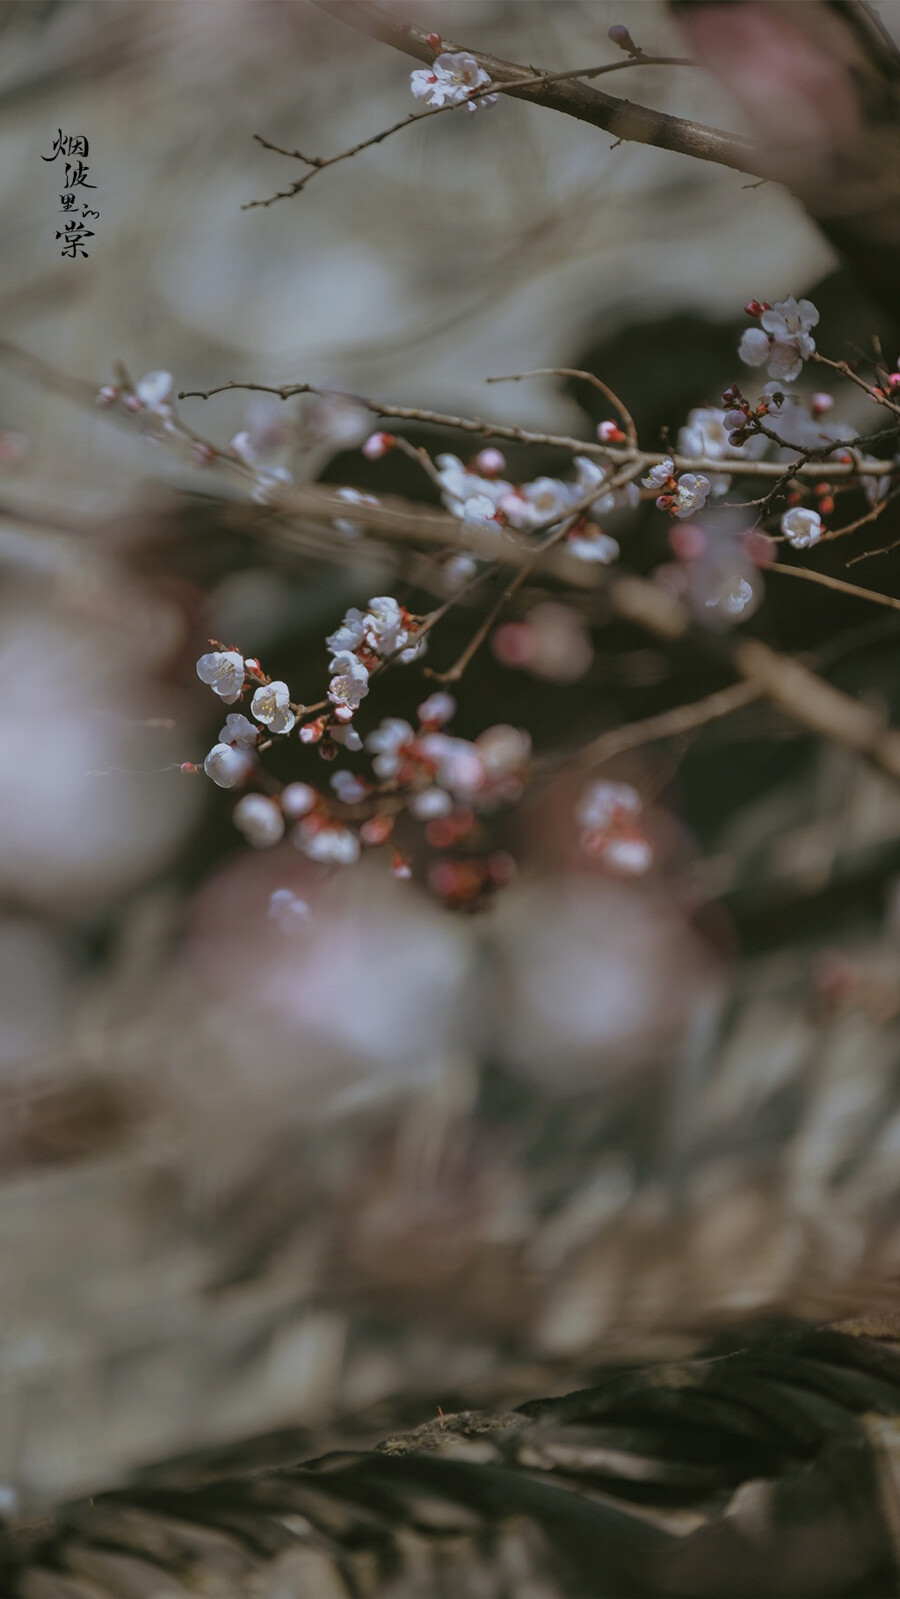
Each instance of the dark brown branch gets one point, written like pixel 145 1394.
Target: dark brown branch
pixel 574 98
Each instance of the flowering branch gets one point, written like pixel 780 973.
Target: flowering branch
pixel 621 118
pixel 488 91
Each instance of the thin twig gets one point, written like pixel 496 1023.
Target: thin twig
pixel 848 372
pixel 668 724
pixel 321 163
pixel 836 583
pixel 587 377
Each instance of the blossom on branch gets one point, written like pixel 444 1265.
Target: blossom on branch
pixel 783 338
pixel 228 765
pixel 452 78
pixel 223 670
pixel 802 528
pixel 271 706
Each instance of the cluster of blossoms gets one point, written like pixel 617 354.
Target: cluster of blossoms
pixel 610 818
pixel 683 495
pixel 479 494
pixel 434 777
pixel 364 639
pixel 452 79
pixel 783 341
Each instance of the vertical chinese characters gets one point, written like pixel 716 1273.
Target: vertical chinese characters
pixel 72 202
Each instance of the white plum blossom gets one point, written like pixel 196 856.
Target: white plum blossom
pixel 289 911
pixel 152 390
pixel 691 494
pixel 437 709
pixel 238 730
pixel 228 765
pixel 348 737
pixel 783 339
pixel 590 544
pixel 451 79
pixel 431 804
pixel 260 820
pixel 223 670
pixel 297 800
pixel 271 706
pixel 384 625
pixel 754 347
pixel 457 763
pixel 480 510
pixel 537 504
pixel 333 845
pixel 349 788
pixel 349 635
pixel 388 742
pixel 350 683
pixel 659 475
pixel 603 802
pixel 801 527
pixel 345 525
pixel 459 485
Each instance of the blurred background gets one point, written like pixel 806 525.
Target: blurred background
pixel 409 1159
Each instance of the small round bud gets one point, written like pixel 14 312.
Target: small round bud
pixel 826 504
pixel 107 395
pixel 823 402
pixel 734 419
pixel 132 403
pixel 434 39
pixel 610 433
pixel 755 307
pixel 490 462
pixel 620 35
pixel 377 445
pixel 189 768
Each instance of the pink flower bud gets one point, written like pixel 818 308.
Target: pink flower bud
pixel 824 402
pixel 490 462
pixel 189 769
pixel 132 403
pixel 755 307
pixel 377 445
pixel 436 42
pixel 107 395
pixel 610 433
